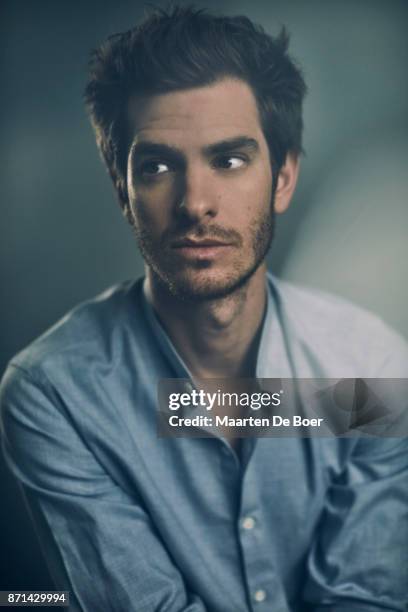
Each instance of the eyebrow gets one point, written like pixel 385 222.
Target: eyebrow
pixel 154 148
pixel 224 146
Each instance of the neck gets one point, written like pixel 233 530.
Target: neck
pixel 216 338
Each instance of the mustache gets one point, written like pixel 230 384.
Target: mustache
pixel 203 232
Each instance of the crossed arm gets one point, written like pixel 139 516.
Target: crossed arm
pixel 103 547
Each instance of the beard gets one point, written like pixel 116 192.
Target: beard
pixel 197 281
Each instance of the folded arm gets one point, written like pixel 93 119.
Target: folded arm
pixel 359 561
pixel 99 541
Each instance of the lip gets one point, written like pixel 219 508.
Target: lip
pixel 198 244
pixel 200 250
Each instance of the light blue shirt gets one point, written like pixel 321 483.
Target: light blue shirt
pixel 133 522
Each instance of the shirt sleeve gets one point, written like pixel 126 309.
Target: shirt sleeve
pixel 99 542
pixel 359 561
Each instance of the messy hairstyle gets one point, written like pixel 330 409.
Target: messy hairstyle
pixel 182 48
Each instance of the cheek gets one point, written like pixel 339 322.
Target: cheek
pixel 263 182
pixel 148 213
pixel 253 195
pixel 153 204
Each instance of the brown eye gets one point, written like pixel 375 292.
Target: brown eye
pixel 153 168
pixel 229 162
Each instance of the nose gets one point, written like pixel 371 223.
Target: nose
pixel 197 199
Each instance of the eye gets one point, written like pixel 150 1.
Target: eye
pixel 153 168
pixel 229 162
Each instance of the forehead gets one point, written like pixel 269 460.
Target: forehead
pixel 199 116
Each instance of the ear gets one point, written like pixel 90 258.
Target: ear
pixel 287 179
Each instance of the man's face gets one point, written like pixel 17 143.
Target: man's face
pixel 200 187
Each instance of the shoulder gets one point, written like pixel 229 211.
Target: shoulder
pixel 341 334
pixel 80 373
pixel 87 333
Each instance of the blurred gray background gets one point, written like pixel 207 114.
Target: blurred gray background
pixel 62 236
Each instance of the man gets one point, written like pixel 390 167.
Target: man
pixel 199 121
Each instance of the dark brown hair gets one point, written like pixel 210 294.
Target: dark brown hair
pixel 182 48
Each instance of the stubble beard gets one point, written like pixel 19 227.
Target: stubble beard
pixel 164 270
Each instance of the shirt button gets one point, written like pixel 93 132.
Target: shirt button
pixel 248 523
pixel 259 595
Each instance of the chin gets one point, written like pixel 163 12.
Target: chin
pixel 203 285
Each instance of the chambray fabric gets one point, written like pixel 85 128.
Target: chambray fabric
pixel 133 522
